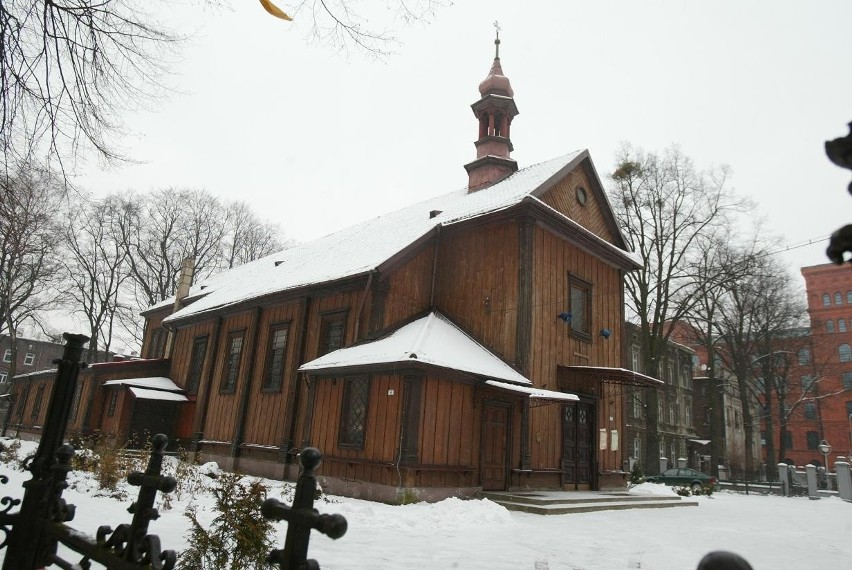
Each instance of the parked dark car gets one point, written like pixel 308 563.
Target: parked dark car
pixel 684 477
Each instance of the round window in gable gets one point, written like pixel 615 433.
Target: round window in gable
pixel 581 195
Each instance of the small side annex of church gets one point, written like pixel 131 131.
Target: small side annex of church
pixel 469 342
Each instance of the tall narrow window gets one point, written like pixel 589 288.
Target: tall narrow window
pixel 813 440
pixel 826 300
pixel 838 300
pixel 804 356
pixel 829 326
pixel 3 377
pixel 332 331
pixel 356 395
pixel 75 406
pixel 788 440
pixel 841 325
pixel 637 448
pixel 276 350
pixel 810 410
pixel 158 343
pixel 37 403
pixel 232 362
pixel 847 380
pixel 581 307
pixel 845 353
pixel 7 356
pixel 849 297
pixel 113 399
pixel 635 357
pixel 196 364
pixel 637 403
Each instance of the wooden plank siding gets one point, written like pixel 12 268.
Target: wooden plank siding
pixel 563 198
pixel 477 284
pixel 220 422
pixel 552 341
pixel 409 289
pixel 265 422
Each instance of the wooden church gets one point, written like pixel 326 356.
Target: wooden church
pixel 469 342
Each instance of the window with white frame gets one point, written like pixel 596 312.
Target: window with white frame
pixel 635 356
pixel 845 353
pixel 841 325
pixel 7 356
pixel 637 448
pixel 637 404
pixel 826 300
pixel 662 448
pixel 29 358
pixel 3 377
pixel 687 413
pixel 838 300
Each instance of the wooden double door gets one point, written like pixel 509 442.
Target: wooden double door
pixel 578 451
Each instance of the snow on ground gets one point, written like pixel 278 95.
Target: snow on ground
pixel 771 532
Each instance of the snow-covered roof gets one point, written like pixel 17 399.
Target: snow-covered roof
pixel 432 340
pixel 364 247
pixel 144 394
pixel 619 375
pixel 534 393
pixel 153 382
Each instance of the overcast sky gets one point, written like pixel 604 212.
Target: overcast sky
pixel 317 140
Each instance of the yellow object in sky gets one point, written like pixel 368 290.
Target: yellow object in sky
pixel 274 10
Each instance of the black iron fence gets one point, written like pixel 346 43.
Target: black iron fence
pixel 32 534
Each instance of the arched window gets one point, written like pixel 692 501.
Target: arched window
pixel 849 297
pixel 826 300
pixel 838 300
pixel 804 356
pixel 841 325
pixel 845 352
pixel 829 326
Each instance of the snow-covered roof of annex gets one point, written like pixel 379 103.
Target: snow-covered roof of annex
pixel 363 247
pixel 151 382
pixel 432 340
pixel 143 394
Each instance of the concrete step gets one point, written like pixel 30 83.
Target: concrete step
pixel 561 503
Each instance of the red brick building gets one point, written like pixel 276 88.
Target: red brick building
pixel 829 418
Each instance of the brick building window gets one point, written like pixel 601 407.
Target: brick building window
pixel 4 376
pixel 849 297
pixel 353 420
pixel 273 377
pixel 841 325
pixel 829 326
pixel 29 358
pixel 637 448
pixel 845 352
pixel 847 380
pixel 826 300
pixel 232 362
pixel 813 440
pixel 807 383
pixel 804 356
pixel 848 409
pixel 810 410
pixel 637 403
pixel 788 440
pixel 838 300
pixel 7 356
pixel 196 364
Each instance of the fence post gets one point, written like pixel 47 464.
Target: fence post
pixel 811 470
pixel 29 547
pixel 784 477
pixel 844 480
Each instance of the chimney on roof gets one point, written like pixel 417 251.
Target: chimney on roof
pixel 495 111
pixel 187 271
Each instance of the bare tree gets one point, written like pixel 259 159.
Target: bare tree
pixel 247 236
pixel 97 270
pixel 160 230
pixel 30 238
pixel 69 70
pixel 665 206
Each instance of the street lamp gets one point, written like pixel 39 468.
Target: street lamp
pixel 825 449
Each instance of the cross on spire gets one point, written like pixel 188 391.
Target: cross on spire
pixel 497 40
